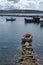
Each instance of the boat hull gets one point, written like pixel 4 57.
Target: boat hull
pixel 41 24
pixel 37 20
pixel 10 19
pixel 34 20
pixel 28 20
pixel 27 38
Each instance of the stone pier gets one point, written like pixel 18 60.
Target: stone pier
pixel 27 55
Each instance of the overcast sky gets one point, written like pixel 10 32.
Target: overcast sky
pixel 21 4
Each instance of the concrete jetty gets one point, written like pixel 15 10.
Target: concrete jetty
pixel 27 55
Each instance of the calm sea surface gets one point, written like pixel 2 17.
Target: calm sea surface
pixel 10 40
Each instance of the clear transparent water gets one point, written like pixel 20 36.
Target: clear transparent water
pixel 10 40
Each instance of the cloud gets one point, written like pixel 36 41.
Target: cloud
pixel 0 7
pixel 15 1
pixel 41 5
pixel 21 4
pixel 26 4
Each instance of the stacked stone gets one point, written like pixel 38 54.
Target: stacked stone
pixel 27 55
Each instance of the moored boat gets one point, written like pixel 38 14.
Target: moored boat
pixel 27 37
pixel 32 20
pixel 28 20
pixel 36 19
pixel 10 19
pixel 41 24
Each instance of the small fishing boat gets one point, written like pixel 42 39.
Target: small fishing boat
pixel 41 24
pixel 32 20
pixel 27 37
pixel 36 19
pixel 10 19
pixel 28 20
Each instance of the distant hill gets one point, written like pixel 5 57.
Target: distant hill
pixel 21 11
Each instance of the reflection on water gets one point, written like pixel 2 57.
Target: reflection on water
pixel 10 40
